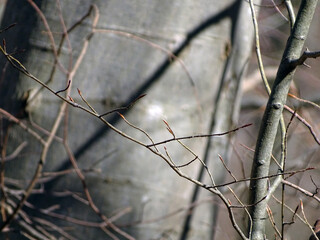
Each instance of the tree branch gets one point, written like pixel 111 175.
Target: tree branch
pixel 272 115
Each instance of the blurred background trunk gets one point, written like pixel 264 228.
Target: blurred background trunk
pixel 199 93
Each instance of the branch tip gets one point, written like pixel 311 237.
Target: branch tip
pixel 71 99
pixel 63 90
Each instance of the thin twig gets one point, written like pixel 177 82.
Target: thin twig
pixel 271 218
pixel 45 22
pixel 66 35
pixel 199 136
pixel 283 169
pixel 89 198
pixel 226 167
pixel 302 190
pixel 69 152
pixel 292 17
pixel 245 209
pixel 54 227
pixel 290 173
pixel 139 129
pixel 279 11
pixel 301 119
pixel 315 185
pixel 68 85
pixel 188 163
pixel 8 27
pixel 12 118
pixel 294 212
pixel 304 100
pixel 85 101
pixel 37 172
pixel 15 153
pixel 306 220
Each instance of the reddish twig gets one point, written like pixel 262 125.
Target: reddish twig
pixel 304 101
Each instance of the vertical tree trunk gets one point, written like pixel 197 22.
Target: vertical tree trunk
pixel 225 114
pixel 117 68
pixel 273 112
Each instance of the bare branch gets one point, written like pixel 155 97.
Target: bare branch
pixel 301 119
pixel 306 54
pixel 199 136
pixel 228 170
pixel 15 152
pixel 305 192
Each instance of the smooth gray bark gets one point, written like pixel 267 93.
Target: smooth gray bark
pixel 225 114
pixel 270 122
pixel 116 69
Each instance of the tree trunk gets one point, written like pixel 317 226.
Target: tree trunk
pixel 119 65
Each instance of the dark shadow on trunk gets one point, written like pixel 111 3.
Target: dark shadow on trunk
pixel 232 12
pixel 101 132
pixel 25 24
